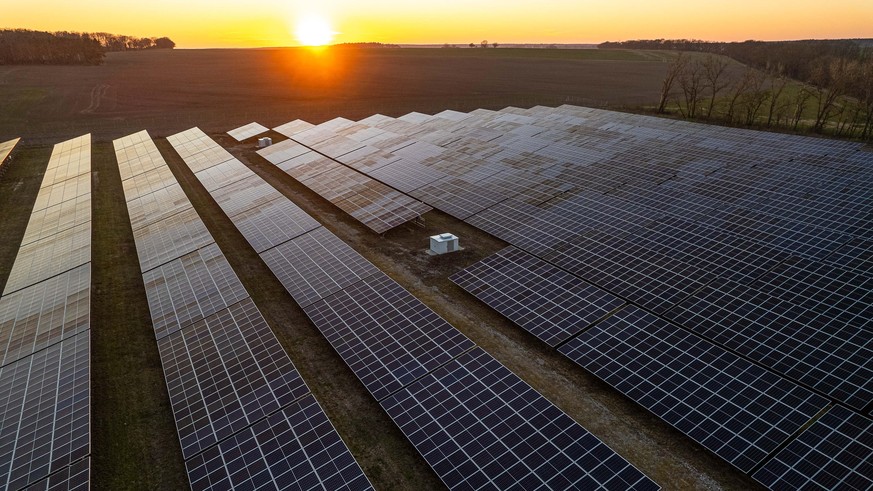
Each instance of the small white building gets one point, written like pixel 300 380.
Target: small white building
pixel 443 243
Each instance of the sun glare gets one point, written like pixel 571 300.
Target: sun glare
pixel 313 30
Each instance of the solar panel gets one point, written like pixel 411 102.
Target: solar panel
pixel 65 215
pixel 836 452
pixel 386 335
pixel 273 223
pixel 831 357
pixel 856 255
pixel 293 127
pixel 734 408
pixel 247 131
pixel 480 426
pixel 69 159
pixel 75 477
pixel 315 265
pixel 49 257
pixel 545 301
pixel 170 238
pixel 647 278
pixel 308 165
pixel 62 191
pixel 844 295
pixel 159 205
pixel 244 195
pixel 283 151
pixel 190 288
pixel 6 148
pixel 295 448
pixel 45 313
pixel 223 174
pixel 148 182
pixel 45 420
pixel 224 373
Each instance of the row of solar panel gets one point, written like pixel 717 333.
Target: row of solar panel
pixel 657 242
pixel 475 423
pixel 658 260
pixel 45 333
pixel 369 201
pixel 734 408
pixel 244 415
pixel 6 149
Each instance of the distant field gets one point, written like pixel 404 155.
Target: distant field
pixel 169 91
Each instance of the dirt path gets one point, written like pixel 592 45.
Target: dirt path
pixel 97 95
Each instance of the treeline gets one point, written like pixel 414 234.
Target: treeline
pixel 26 47
pixel 364 45
pixel 795 58
pixel 820 86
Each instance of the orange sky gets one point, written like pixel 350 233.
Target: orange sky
pixel 222 23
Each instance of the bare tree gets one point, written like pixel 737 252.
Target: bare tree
pixel 778 82
pixel 472 45
pixel 691 83
pixel 755 97
pixel 740 86
pixel 800 101
pixel 715 73
pixel 829 79
pixel 674 68
pixel 484 43
pixel 494 45
pixel 864 78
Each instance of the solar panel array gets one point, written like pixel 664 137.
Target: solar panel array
pixel 394 344
pixel 247 131
pixel 45 364
pixel 369 201
pixel 5 149
pixel 227 375
pixel 749 248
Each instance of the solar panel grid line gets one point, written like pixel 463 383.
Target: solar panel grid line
pixel 844 295
pixel 157 206
pixel 243 195
pixel 49 257
pixel 223 174
pixel 247 131
pixel 74 477
pixel 148 182
pixel 648 279
pixel 856 255
pixel 46 418
pixel 282 151
pixel 190 288
pixel 170 238
pixel 521 440
pixel 44 314
pixel 832 358
pixel 315 265
pixel 6 150
pixel 384 334
pixel 54 219
pixel 291 128
pixel 549 303
pixel 273 223
pixel 296 448
pixel 62 191
pixel 223 373
pixel 343 186
pixel 735 408
pixel 836 452
pixel 262 376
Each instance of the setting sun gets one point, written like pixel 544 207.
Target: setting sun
pixel 313 30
